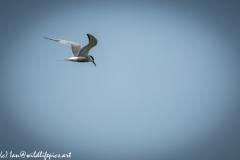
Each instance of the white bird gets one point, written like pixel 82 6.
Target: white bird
pixel 79 54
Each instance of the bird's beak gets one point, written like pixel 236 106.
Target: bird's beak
pixel 94 63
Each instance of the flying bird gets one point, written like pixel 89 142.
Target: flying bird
pixel 79 54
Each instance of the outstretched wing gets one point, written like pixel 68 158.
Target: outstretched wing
pixel 92 42
pixel 75 46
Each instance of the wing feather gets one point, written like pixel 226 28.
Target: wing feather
pixel 92 42
pixel 76 48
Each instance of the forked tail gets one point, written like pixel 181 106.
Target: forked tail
pixel 62 60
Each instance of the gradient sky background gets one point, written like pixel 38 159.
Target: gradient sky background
pixel 166 85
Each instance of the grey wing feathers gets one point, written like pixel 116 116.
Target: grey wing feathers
pixel 75 46
pixel 92 42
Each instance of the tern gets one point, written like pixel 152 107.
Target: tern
pixel 79 54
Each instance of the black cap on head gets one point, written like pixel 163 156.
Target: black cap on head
pixel 92 58
pixel 93 61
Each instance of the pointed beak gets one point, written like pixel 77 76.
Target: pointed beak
pixel 94 63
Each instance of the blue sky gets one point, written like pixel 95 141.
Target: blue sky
pixel 165 86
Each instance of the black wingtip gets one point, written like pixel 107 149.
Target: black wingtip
pixel 88 36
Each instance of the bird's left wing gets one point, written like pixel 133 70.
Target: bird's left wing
pixel 92 42
pixel 75 46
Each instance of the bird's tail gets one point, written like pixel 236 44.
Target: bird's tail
pixel 62 60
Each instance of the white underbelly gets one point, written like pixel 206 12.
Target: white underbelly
pixel 78 59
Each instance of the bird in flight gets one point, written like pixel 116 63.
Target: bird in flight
pixel 79 54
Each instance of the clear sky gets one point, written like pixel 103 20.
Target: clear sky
pixel 166 85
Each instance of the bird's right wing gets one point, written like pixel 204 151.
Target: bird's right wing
pixel 76 48
pixel 92 42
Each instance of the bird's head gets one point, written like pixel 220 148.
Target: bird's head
pixel 92 60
